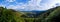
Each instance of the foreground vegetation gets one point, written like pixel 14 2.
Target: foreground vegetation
pixel 10 15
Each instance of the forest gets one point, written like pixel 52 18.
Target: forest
pixel 10 15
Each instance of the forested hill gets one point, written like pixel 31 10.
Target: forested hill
pixel 10 15
pixel 52 15
pixel 48 11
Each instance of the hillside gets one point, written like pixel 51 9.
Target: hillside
pixel 51 15
pixel 10 15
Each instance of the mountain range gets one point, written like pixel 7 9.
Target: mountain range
pixel 51 15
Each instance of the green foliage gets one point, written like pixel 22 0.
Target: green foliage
pixel 53 14
pixel 10 15
pixel 6 15
pixel 29 19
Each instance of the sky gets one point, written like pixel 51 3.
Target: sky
pixel 29 5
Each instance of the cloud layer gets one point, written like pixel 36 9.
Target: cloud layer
pixel 28 5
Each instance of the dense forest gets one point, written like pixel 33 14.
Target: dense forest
pixel 10 15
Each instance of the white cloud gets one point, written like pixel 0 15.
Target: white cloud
pixel 15 7
pixel 10 0
pixel 11 7
pixel 34 5
pixel 2 5
pixel 49 4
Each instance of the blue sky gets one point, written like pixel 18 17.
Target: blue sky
pixel 28 5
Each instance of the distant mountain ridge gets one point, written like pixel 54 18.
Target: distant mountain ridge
pixel 33 13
